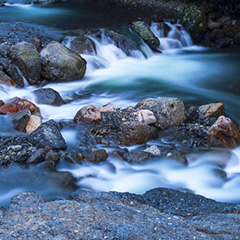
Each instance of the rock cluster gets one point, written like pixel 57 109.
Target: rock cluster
pixel 32 61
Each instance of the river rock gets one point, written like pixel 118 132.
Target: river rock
pixel 60 64
pixel 144 31
pixel 20 119
pixel 48 96
pixel 223 133
pixel 136 133
pixel 146 116
pixel 17 104
pixel 212 109
pixel 38 156
pixel 2 103
pixel 154 150
pixel 47 135
pixel 80 44
pixel 125 43
pixel 108 108
pixel 5 79
pixel 33 123
pixel 88 114
pixel 168 111
pixel 138 157
pixel 27 58
pixel 98 156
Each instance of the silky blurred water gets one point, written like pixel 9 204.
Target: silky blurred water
pixel 191 73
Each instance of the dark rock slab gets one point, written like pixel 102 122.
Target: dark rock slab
pixel 47 135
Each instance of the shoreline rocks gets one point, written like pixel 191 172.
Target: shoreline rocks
pixel 173 214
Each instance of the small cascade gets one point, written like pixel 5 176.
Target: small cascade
pixel 171 36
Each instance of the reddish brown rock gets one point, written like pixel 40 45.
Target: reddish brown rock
pixel 1 103
pixel 223 133
pixel 17 104
pixel 5 79
pixel 88 114
pixel 98 156
pixel 212 109
pixel 8 108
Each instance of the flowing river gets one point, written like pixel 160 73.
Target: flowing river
pixel 191 73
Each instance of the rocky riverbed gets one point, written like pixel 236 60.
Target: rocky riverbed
pixel 29 57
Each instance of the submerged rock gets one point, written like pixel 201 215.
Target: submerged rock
pixel 168 111
pixel 223 133
pixel 144 31
pixel 59 64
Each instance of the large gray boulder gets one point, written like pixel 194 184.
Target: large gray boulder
pixel 27 58
pixel 168 111
pixel 59 64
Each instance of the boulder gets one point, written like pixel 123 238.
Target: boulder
pixel 48 96
pixel 168 111
pixel 60 64
pixel 136 133
pixel 47 135
pixel 212 109
pixel 144 31
pixel 223 133
pixel 98 156
pixel 27 58
pixel 88 114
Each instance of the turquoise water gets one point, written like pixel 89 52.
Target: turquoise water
pixel 193 74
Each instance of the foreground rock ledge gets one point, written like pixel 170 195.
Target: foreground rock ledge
pixel 159 213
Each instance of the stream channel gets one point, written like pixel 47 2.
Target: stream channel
pixel 192 73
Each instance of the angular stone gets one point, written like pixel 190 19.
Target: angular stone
pixel 212 109
pixel 20 119
pixel 108 108
pixel 88 114
pixel 98 156
pixel 47 135
pixel 60 64
pixel 168 111
pixel 33 123
pixel 153 150
pixel 146 116
pixel 223 133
